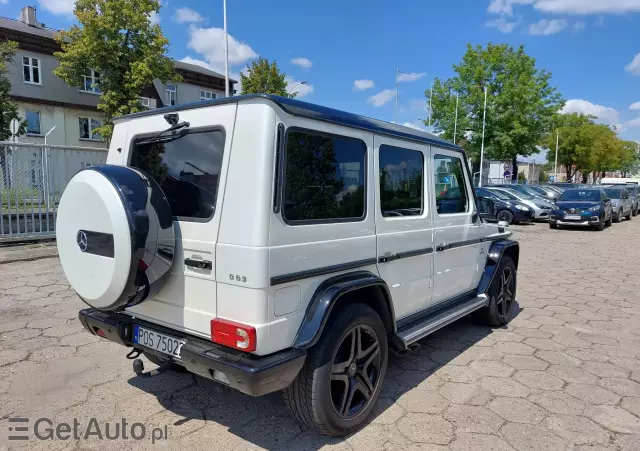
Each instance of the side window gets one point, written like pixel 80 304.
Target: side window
pixel 324 178
pixel 187 168
pixel 450 187
pixel 401 181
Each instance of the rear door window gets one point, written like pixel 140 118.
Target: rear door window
pixel 401 181
pixel 187 168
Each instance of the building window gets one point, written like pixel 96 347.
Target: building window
pixel 207 95
pixel 33 122
pixel 88 126
pixel 401 181
pixel 145 102
pixel 31 70
pixel 324 178
pixel 91 82
pixel 450 188
pixel 170 95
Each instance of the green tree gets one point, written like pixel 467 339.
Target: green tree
pixel 520 105
pixel 8 109
pixel 116 39
pixel 630 158
pixel 575 142
pixel 264 77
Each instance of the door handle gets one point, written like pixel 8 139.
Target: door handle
pixel 388 257
pixel 199 264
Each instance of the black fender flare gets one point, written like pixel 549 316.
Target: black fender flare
pixel 497 250
pixel 328 295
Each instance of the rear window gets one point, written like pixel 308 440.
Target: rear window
pixel 187 168
pixel 324 178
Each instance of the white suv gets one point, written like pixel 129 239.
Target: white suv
pixel 270 244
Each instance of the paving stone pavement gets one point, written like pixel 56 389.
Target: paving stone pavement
pixel 563 375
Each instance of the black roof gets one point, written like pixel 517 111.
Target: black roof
pixel 309 110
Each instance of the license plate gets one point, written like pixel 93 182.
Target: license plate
pixel 572 217
pixel 157 341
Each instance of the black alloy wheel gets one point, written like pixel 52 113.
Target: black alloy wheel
pixel 505 215
pixel 355 373
pixel 501 294
pixel 506 295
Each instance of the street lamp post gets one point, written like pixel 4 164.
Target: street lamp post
pixel 555 166
pixel 296 85
pixel 226 49
pixel 484 117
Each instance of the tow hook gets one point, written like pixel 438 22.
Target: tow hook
pixel 138 368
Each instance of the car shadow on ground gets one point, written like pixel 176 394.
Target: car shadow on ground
pixel 196 403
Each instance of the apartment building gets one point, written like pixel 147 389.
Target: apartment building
pixel 68 115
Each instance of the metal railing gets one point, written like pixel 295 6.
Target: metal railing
pixel 32 179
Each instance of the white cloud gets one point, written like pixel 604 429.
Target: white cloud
pixel 154 18
pixel 410 77
pixel 190 60
pixel 361 85
pixel 604 114
pixel 301 89
pixel 187 15
pixel 4 2
pixel 210 43
pixel 59 7
pixel 546 27
pixel 582 7
pixel 579 26
pixel 633 122
pixel 635 106
pixel 382 97
pixel 634 65
pixel 302 62
pixel 502 24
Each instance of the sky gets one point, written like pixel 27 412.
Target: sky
pixel 347 51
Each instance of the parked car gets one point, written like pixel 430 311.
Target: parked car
pixel 502 208
pixel 620 202
pixel 582 207
pixel 634 195
pixel 524 189
pixel 544 192
pixel 541 208
pixel 298 260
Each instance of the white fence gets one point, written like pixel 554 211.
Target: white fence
pixel 32 179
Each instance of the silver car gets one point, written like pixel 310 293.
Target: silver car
pixel 621 203
pixel 541 208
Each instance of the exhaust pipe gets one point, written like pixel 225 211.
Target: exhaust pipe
pixel 408 350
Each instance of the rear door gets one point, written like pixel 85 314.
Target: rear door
pixel 457 228
pixel 403 223
pixel 191 169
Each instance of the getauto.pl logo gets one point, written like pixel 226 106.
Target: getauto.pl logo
pixel 22 429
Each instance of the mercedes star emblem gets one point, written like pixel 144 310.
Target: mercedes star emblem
pixel 82 241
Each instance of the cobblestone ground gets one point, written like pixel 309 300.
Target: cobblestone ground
pixel 565 373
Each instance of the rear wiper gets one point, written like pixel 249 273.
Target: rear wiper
pixel 160 138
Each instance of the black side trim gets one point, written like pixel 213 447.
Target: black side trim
pixel 494 257
pixel 285 278
pixel 420 316
pixel 470 242
pixel 407 254
pixel 325 298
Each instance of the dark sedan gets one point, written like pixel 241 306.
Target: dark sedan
pixel 588 207
pixel 493 207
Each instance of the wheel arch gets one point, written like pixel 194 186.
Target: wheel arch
pixel 497 252
pixel 335 293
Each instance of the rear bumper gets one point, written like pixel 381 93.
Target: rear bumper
pixel 522 216
pixel 248 373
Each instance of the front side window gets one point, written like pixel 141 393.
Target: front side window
pixel 324 178
pixel 91 82
pixel 88 126
pixel 33 122
pixel 401 181
pixel 187 168
pixel 207 95
pixel 170 95
pixel 450 188
pixel 31 70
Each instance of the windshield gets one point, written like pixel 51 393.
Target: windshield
pixel 591 195
pixel 519 194
pixel 612 193
pixel 503 195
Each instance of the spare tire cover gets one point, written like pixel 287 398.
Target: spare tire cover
pixel 115 236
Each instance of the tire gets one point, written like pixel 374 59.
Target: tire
pixel 628 217
pixel 608 222
pixel 553 226
pixel 599 227
pixel 617 217
pixel 505 215
pixel 313 396
pixel 635 212
pixel 502 294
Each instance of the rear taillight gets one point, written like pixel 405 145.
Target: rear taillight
pixel 234 335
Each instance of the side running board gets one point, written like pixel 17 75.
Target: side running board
pixel 415 331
